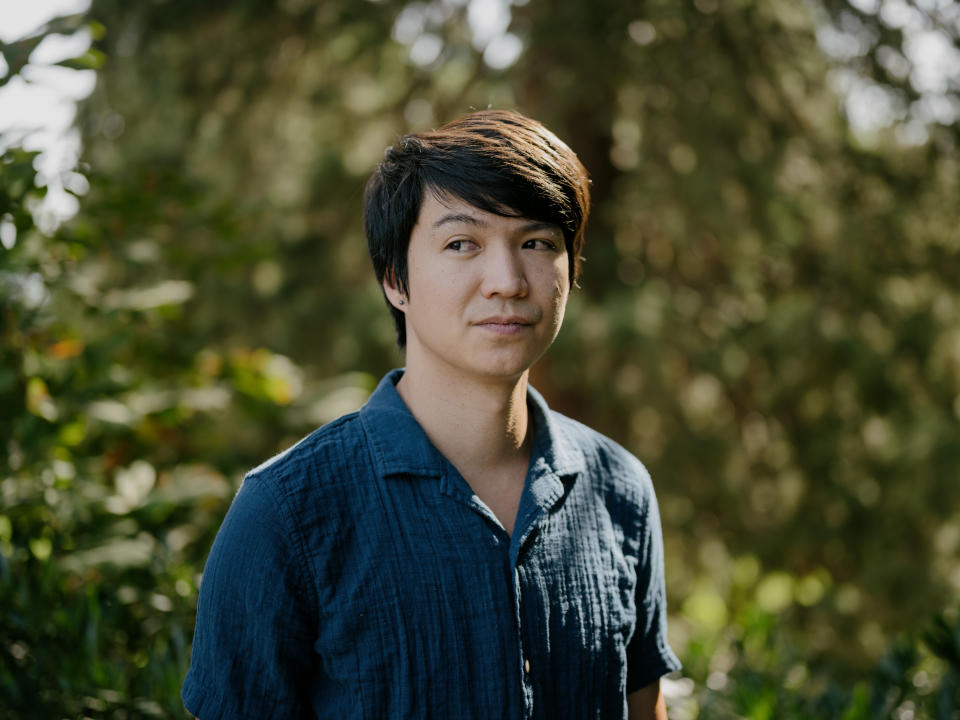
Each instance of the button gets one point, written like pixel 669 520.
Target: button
pixel 526 666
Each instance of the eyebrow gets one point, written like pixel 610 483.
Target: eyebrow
pixel 458 217
pixel 532 226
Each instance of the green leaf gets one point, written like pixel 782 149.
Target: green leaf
pixel 91 60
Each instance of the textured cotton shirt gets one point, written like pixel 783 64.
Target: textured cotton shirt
pixel 357 575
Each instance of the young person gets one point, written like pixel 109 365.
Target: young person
pixel 454 549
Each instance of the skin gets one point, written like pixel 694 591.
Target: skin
pixel 487 296
pixel 647 703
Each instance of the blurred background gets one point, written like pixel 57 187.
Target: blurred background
pixel 769 314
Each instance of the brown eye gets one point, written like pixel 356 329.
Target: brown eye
pixel 540 244
pixel 461 245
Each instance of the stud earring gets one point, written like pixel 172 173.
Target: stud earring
pixel 400 302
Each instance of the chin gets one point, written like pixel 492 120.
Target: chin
pixel 505 368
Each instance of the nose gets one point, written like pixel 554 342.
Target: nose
pixel 503 273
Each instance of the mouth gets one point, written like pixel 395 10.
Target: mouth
pixel 505 324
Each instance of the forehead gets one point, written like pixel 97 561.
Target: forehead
pixel 441 212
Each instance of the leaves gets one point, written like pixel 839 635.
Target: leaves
pixel 768 320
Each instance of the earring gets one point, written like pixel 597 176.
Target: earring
pixel 400 302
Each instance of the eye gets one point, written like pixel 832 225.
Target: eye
pixel 541 244
pixel 461 245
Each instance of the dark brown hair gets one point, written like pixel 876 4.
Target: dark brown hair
pixel 496 160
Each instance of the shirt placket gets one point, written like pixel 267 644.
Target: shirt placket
pixel 524 644
pixel 542 491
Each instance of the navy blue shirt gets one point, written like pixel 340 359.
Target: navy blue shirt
pixel 357 575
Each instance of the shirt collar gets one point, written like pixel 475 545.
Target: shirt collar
pixel 401 447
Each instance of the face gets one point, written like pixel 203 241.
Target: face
pixel 487 293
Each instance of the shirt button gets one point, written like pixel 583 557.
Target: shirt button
pixel 526 666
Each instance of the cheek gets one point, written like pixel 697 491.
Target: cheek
pixel 561 291
pixel 561 270
pixel 423 280
pixel 562 279
pixel 432 290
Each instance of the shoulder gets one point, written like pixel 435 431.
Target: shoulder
pixel 618 482
pixel 304 496
pixel 323 478
pixel 332 454
pixel 601 454
pixel 612 472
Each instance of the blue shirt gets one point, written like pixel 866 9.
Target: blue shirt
pixel 357 575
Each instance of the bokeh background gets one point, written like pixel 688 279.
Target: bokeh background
pixel 769 314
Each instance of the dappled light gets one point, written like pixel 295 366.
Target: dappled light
pixel 769 315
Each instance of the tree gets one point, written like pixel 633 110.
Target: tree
pixel 767 319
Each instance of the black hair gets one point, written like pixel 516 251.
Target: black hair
pixel 496 160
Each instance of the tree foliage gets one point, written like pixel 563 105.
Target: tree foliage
pixel 769 319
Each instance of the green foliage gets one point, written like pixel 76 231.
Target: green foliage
pixel 758 672
pixel 769 319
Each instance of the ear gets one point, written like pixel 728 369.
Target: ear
pixel 394 296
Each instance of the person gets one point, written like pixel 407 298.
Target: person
pixel 454 549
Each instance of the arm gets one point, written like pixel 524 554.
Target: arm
pixel 649 656
pixel 647 703
pixel 252 653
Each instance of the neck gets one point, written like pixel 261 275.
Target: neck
pixel 473 422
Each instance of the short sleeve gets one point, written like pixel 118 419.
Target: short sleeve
pixel 649 655
pixel 252 651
